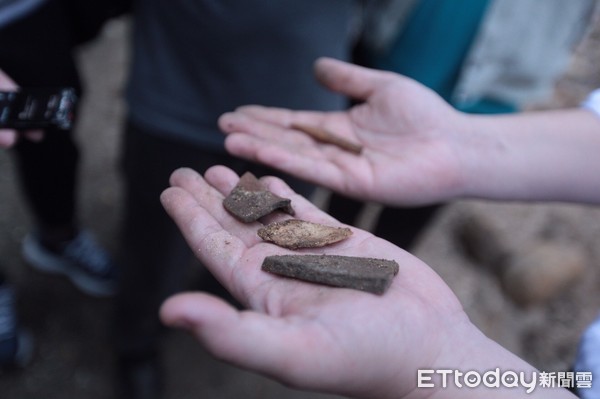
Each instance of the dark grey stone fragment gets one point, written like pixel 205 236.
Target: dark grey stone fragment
pixel 365 274
pixel 250 200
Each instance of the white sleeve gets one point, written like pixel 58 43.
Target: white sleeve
pixel 592 102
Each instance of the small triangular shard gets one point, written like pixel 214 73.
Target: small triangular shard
pixel 250 200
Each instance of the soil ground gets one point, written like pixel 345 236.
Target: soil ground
pixel 73 357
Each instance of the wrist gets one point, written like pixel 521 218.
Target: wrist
pixel 474 366
pixel 507 157
pixel 472 144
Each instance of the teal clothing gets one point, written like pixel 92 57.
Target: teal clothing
pixel 432 46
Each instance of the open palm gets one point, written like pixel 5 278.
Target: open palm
pixel 307 335
pixel 408 155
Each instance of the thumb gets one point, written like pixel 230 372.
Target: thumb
pixel 349 79
pixel 246 339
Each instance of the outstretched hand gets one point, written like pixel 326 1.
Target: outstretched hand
pixel 407 131
pixel 307 335
pixel 299 332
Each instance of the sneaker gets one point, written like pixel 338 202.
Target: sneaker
pixel 82 260
pixel 16 345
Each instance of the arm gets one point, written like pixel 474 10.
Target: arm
pixel 418 149
pixel 320 338
pixel 547 155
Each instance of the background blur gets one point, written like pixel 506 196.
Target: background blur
pixel 514 303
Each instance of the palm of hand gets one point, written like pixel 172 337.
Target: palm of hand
pixel 307 335
pixel 407 132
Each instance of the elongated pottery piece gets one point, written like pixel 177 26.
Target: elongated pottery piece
pixel 365 274
pixel 325 136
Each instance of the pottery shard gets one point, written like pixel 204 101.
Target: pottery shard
pixel 250 200
pixel 328 137
pixel 365 274
pixel 294 234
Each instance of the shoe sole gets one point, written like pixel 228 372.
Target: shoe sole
pixel 42 262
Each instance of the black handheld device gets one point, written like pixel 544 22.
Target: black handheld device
pixel 37 108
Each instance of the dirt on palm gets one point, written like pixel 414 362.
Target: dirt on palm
pixel 74 358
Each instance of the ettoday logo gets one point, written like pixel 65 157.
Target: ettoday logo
pixel 471 379
pixel 506 379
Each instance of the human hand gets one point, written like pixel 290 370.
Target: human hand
pixel 316 337
pixel 418 149
pixel 8 137
pixel 408 132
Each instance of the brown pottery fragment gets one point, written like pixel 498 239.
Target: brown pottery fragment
pixel 365 274
pixel 250 200
pixel 325 136
pixel 294 234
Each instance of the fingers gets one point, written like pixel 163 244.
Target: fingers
pixel 272 123
pixel 225 179
pixel 278 116
pixel 8 138
pixel 267 126
pixel 251 340
pixel 219 240
pixel 201 229
pixel 194 200
pixel 303 208
pixel 259 134
pixel 276 124
pixel 352 80
pixel 308 163
pixel 229 335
